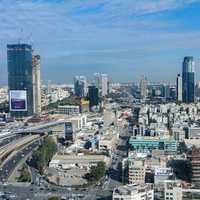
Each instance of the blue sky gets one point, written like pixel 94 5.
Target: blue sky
pixel 124 38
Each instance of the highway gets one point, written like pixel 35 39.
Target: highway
pixel 8 139
pixel 10 164
pixel 6 150
pixel 40 127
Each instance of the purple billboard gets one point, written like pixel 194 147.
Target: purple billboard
pixel 18 100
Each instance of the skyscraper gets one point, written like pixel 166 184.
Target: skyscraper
pixel 93 96
pixel 80 86
pixel 20 79
pixel 188 79
pixel 104 84
pixel 143 88
pixel 101 82
pixel 36 84
pixel 179 87
pixel 97 80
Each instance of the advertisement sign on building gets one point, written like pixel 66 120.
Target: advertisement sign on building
pixel 18 100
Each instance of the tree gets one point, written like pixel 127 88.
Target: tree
pixel 54 198
pixel 44 154
pixel 181 168
pixel 97 172
pixel 24 174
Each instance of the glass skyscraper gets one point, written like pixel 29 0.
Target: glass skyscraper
pixel 20 78
pixel 93 96
pixel 188 78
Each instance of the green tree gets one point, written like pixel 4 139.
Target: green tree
pixel 96 172
pixel 54 198
pixel 24 174
pixel 44 154
pixel 181 168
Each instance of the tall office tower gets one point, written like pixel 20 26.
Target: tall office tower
pixel 36 84
pixel 179 87
pixel 188 76
pixel 80 86
pixel 20 79
pixel 93 96
pixel 97 80
pixel 104 85
pixel 143 88
pixel 167 91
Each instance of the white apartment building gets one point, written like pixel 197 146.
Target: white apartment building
pixel 136 172
pixel 134 192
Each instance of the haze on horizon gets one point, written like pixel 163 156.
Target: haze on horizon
pixel 124 38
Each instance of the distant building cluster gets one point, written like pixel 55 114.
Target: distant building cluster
pixel 184 90
pixel 98 88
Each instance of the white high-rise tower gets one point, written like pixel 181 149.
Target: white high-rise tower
pixel 179 88
pixel 104 84
pixel 36 84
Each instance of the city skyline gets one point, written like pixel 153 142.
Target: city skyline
pixel 120 38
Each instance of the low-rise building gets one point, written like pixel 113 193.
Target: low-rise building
pixel 80 160
pixel 145 144
pixel 69 109
pixel 108 141
pixel 175 190
pixel 162 174
pixel 134 192
pixel 194 132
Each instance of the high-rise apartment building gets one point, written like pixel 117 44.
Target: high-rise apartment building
pixel 179 88
pixel 97 80
pixel 104 84
pixel 188 80
pixel 20 79
pixel 101 82
pixel 36 84
pixel 143 88
pixel 80 86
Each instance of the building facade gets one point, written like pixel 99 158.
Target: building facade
pixel 80 86
pixel 145 144
pixel 179 87
pixel 36 84
pixel 134 192
pixel 69 109
pixel 175 190
pixel 194 159
pixel 93 96
pixel 20 79
pixel 136 171
pixel 104 84
pixel 143 88
pixel 188 79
